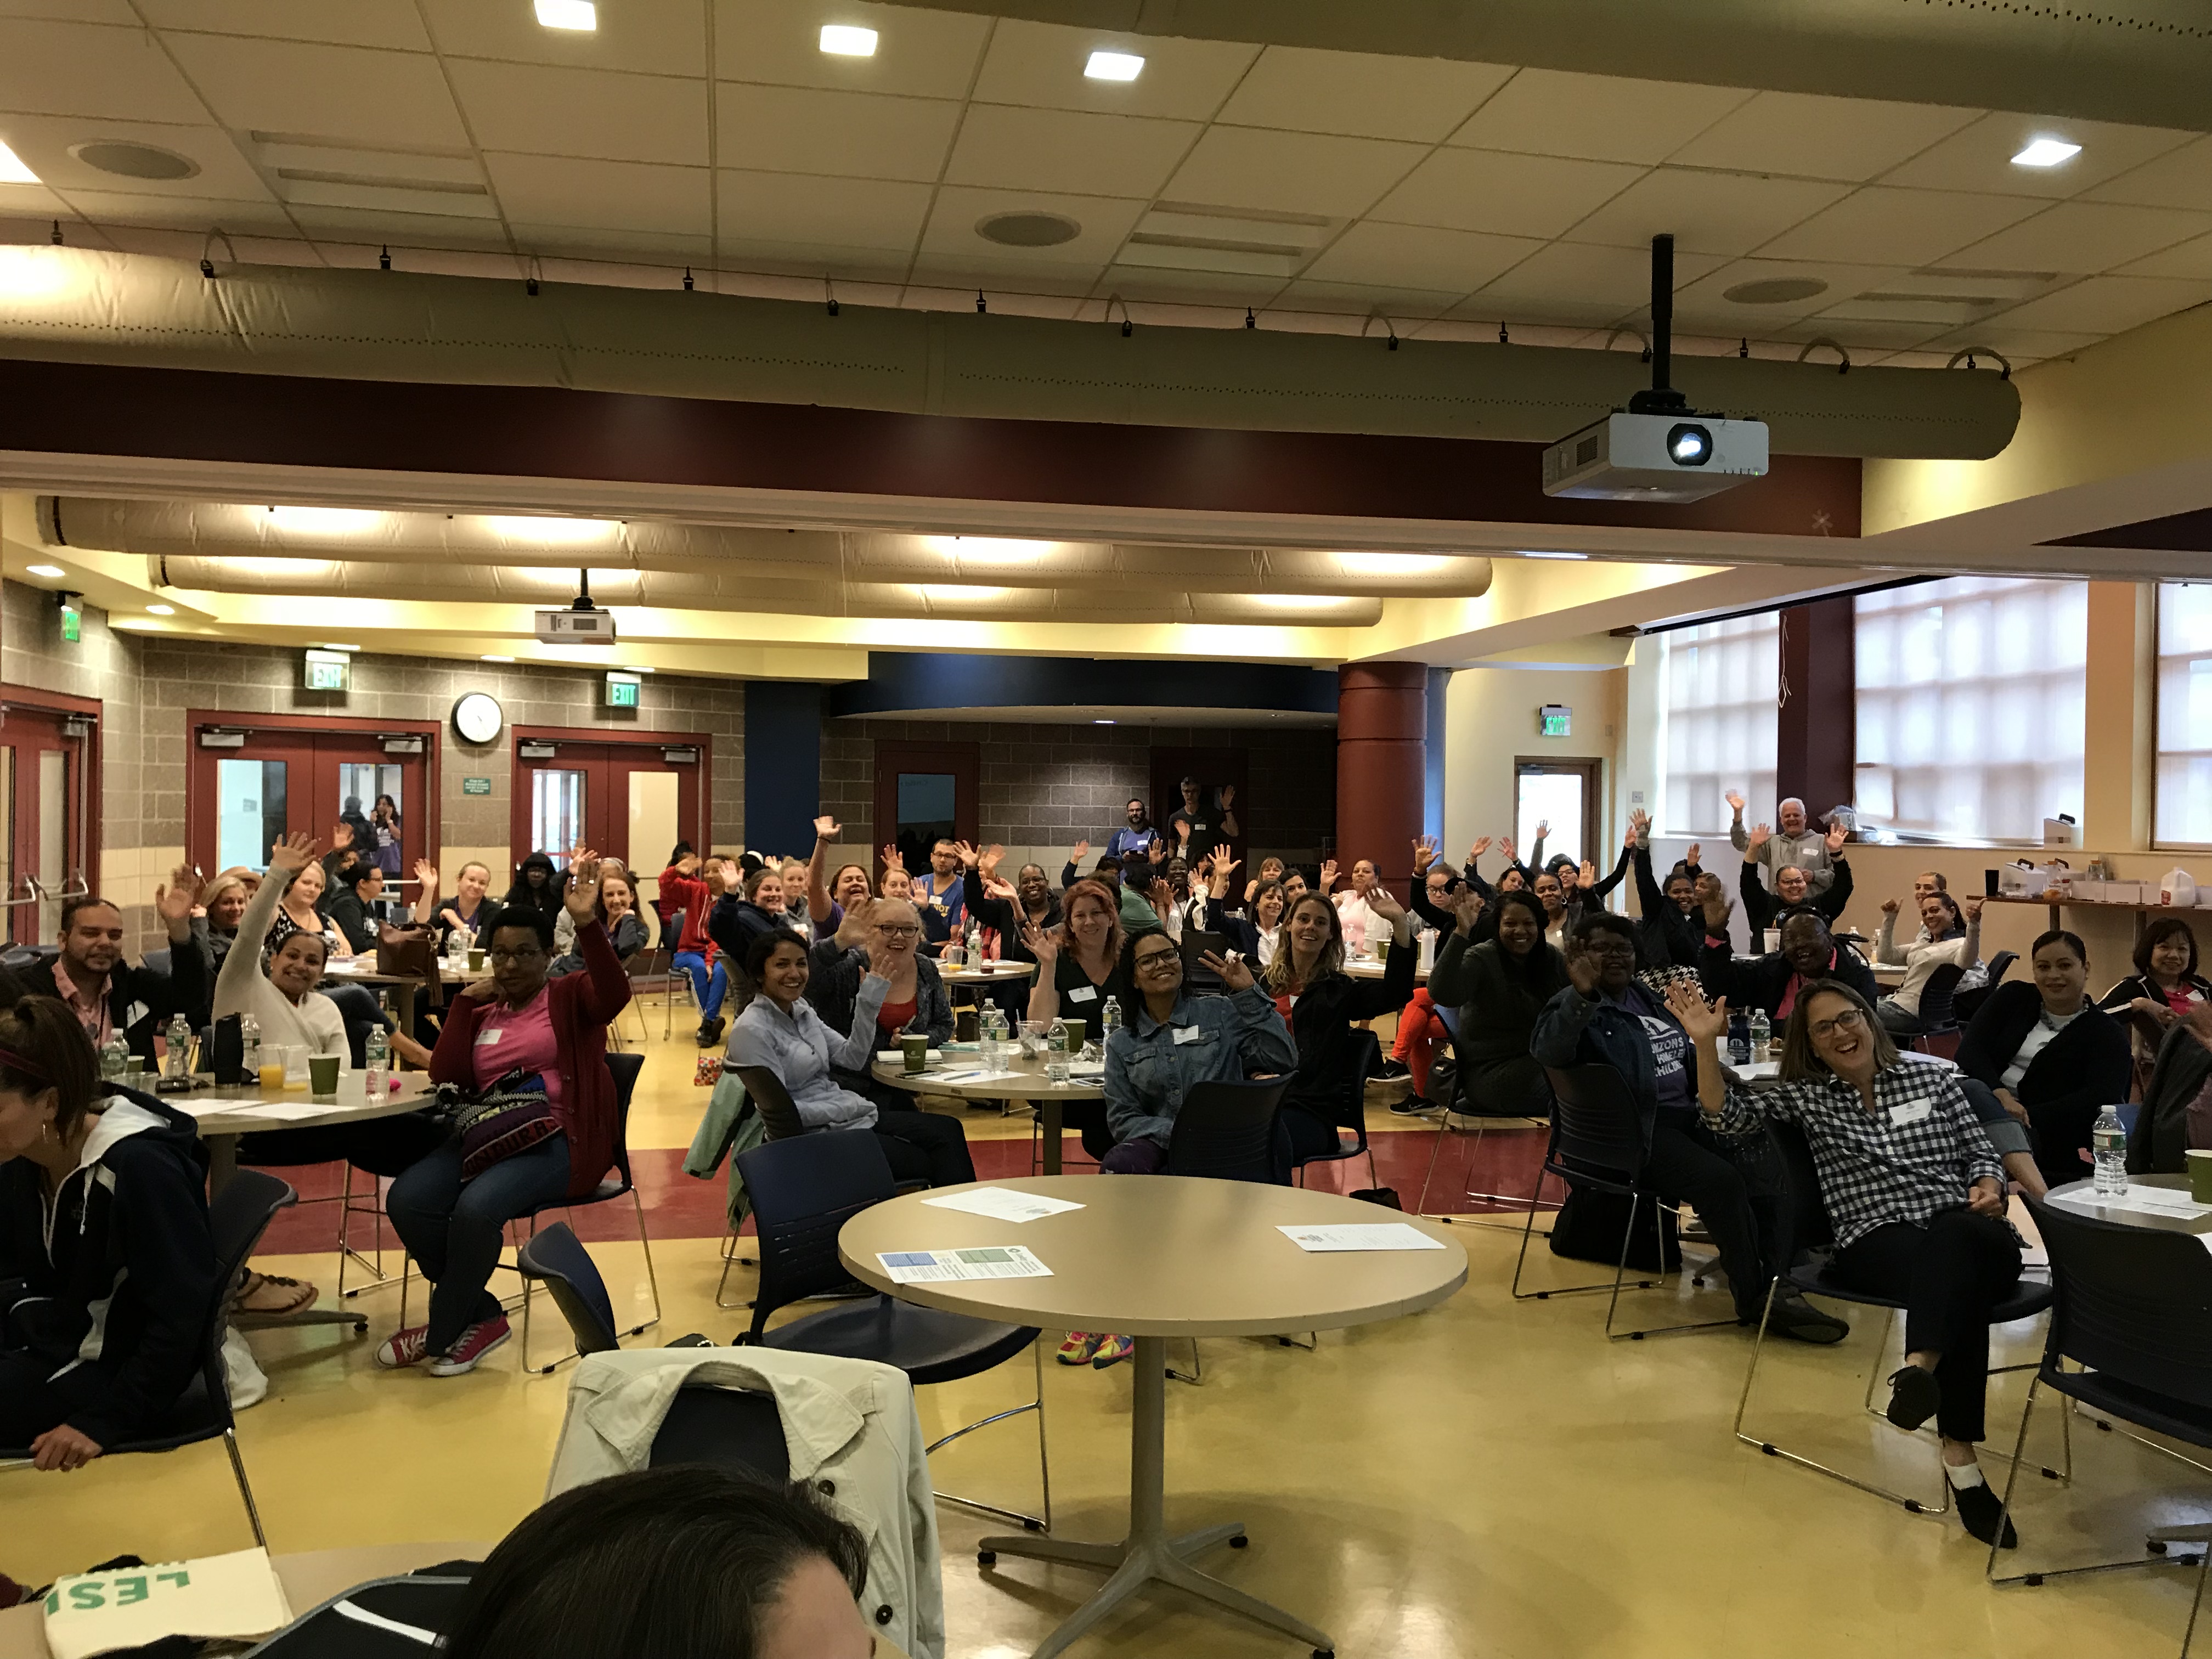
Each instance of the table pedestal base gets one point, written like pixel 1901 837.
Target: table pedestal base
pixel 1148 1555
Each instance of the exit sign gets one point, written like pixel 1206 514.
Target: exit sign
pixel 1556 720
pixel 328 671
pixel 621 690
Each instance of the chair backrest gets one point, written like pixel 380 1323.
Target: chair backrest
pixel 623 1068
pixel 772 1101
pixel 649 964
pixel 1449 1018
pixel 803 1190
pixel 1366 1060
pixel 725 1428
pixel 157 961
pixel 2132 1303
pixel 237 1217
pixel 1227 1130
pixel 1595 1123
pixel 557 1257
pixel 1935 996
pixel 2001 964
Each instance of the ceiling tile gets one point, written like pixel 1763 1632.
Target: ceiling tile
pixel 44 141
pixel 1705 303
pixel 604 195
pixel 368 227
pixel 790 209
pixel 1979 157
pixel 1600 118
pixel 1511 195
pixel 859 135
pixel 1067 150
pixel 626 247
pixel 2081 236
pixel 73 11
pixel 1406 308
pixel 2179 179
pixel 952 237
pixel 1420 257
pixel 1290 172
pixel 572 111
pixel 1718 213
pixel 1898 227
pixel 1855 336
pixel 658 37
pixel 87 69
pixel 339 92
pixel 1998 335
pixel 33 201
pixel 1139 285
pixel 2190 259
pixel 1565 284
pixel 1362 95
pixel 1041 64
pixel 393 23
pixel 924 54
pixel 814 262
pixel 181 212
pixel 2108 305
pixel 969 276
pixel 1817 137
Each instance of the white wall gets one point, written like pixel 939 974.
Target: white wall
pixel 1491 718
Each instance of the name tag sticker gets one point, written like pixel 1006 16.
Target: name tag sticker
pixel 1084 993
pixel 1189 1033
pixel 1901 1115
pixel 485 1039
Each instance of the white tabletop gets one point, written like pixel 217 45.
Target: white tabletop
pixel 1164 1255
pixel 1028 1081
pixel 991 973
pixel 1768 1071
pixel 1368 968
pixel 248 1109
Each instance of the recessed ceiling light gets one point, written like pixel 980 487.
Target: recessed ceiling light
pixel 488 657
pixel 847 40
pixel 2047 153
pixel 52 571
pixel 1113 66
pixel 162 609
pixel 568 13
pixel 12 170
pixel 128 159
pixel 1527 554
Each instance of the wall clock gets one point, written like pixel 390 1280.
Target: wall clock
pixel 477 717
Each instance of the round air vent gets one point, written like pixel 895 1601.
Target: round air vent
pixel 1028 229
pixel 1775 290
pixel 134 160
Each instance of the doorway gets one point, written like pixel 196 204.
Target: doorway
pixel 255 778
pixel 1562 794
pixel 1216 771
pixel 49 848
pixel 924 793
pixel 631 798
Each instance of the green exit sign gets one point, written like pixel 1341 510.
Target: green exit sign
pixel 72 622
pixel 329 670
pixel 621 690
pixel 1556 720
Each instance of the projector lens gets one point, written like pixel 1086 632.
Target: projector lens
pixel 1689 446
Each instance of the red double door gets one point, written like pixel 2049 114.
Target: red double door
pixel 631 800
pixel 48 756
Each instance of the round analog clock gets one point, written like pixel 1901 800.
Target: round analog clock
pixel 477 717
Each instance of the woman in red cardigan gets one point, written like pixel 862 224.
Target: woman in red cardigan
pixel 555 1030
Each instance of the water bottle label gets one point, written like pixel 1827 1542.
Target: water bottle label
pixel 2109 1140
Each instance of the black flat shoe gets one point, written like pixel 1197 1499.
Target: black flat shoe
pixel 1801 1321
pixel 1981 1511
pixel 1913 1397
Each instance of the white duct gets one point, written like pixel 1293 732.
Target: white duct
pixel 80 306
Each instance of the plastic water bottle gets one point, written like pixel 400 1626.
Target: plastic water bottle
pixel 457 946
pixel 249 1047
pixel 1762 1035
pixel 988 1033
pixel 975 944
pixel 1055 1052
pixel 1739 1040
pixel 2108 1142
pixel 1109 1020
pixel 376 1061
pixel 114 1059
pixel 177 1063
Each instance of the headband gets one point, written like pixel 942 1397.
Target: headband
pixel 16 1062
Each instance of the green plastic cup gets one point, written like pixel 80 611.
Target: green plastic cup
pixel 914 1045
pixel 323 1074
pixel 2200 1174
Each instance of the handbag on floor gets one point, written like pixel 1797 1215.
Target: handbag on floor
pixel 1592 1223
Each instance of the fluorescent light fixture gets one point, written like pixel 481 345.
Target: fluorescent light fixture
pixel 326 645
pixel 525 527
pixel 568 13
pixel 12 170
pixel 1113 66
pixel 847 40
pixel 50 571
pixel 2047 153
pixel 966 592
pixel 636 668
pixel 1101 722
pixel 1531 554
pixel 325 520
pixel 491 656
pixel 162 609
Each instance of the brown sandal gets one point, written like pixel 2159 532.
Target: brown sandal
pixel 280 1295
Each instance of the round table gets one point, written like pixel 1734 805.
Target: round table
pixel 1368 967
pixel 1122 1263
pixel 998 973
pixel 1031 1084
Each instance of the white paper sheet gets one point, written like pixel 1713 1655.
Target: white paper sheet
pixel 289 1111
pixel 1361 1236
pixel 2170 1201
pixel 1003 1204
pixel 976 1261
pixel 967 1074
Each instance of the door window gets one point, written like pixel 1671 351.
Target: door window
pixel 251 797
pixel 557 798
pixel 927 815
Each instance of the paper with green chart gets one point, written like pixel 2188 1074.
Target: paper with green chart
pixel 229 1597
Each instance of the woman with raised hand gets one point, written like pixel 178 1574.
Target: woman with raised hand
pixel 299 912
pixel 1081 964
pixel 1953 939
pixel 1499 986
pixel 1322 1003
pixel 554 1033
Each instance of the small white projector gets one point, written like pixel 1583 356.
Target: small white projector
pixel 1655 458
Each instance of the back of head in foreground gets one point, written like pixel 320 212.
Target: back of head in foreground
pixel 684 1562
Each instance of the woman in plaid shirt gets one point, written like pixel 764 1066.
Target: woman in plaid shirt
pixel 1914 1192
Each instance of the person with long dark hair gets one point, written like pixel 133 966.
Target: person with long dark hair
pixel 2165 987
pixel 103 1243
pixel 536 888
pixel 1320 1003
pixel 1499 986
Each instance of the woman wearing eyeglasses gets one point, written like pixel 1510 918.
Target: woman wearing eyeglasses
pixel 1914 1192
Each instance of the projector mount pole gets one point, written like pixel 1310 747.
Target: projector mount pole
pixel 1661 398
pixel 584 594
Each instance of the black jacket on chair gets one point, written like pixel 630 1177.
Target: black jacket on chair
pixel 2086 1065
pixel 1321 1026
pixel 1750 982
pixel 2162 1137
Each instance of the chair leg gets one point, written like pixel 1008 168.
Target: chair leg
pixel 245 1486
pixel 651 1278
pixel 1527 1230
pixel 1029 1522
pixel 347 1210
pixel 1196 1375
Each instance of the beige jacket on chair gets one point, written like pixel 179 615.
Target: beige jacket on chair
pixel 852 1435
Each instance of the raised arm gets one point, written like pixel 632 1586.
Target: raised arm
pixel 1619 869
pixel 1736 819
pixel 242 966
pixel 826 830
pixel 1228 819
pixel 1831 903
pixel 1886 949
pixel 1044 995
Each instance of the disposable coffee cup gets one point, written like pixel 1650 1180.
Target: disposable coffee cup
pixel 475 961
pixel 323 1075
pixel 2200 1174
pixel 915 1046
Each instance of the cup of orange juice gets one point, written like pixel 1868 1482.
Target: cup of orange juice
pixel 272 1077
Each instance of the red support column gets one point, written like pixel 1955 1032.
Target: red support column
pixel 1382 730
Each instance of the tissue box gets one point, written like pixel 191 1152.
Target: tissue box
pixel 2091 892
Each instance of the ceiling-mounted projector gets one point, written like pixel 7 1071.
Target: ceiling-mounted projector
pixel 1659 449
pixel 581 623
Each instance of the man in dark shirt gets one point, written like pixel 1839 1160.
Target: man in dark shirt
pixel 1199 831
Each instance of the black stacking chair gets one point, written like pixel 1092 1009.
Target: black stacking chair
pixel 1228 1131
pixel 1352 1109
pixel 804 1190
pixel 772 1101
pixel 555 1258
pixel 728 1428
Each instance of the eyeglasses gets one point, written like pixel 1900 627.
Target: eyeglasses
pixel 1850 1020
pixel 899 931
pixel 530 954
pixel 1155 961
pixel 1611 948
